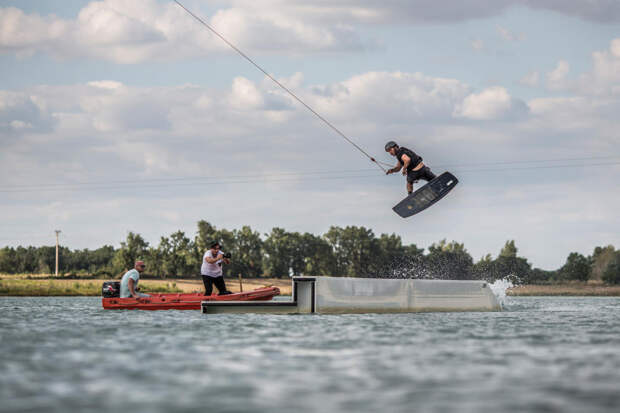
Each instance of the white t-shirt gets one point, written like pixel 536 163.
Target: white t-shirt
pixel 135 276
pixel 212 270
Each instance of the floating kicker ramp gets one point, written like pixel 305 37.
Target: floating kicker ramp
pixel 340 295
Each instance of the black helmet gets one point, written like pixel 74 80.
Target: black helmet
pixel 390 145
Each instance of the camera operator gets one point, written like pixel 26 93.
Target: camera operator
pixel 211 269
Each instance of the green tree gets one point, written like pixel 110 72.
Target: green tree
pixel 157 257
pixel 276 260
pixel 285 253
pixel 334 238
pixel 319 257
pixel 100 260
pixel 538 276
pixel 26 260
pixel 577 267
pixel 8 260
pixel 449 261
pixel 246 253
pixel 509 250
pixel 46 259
pixel 355 249
pixel 207 233
pixel 508 264
pixel 296 254
pixel 180 259
pixel 132 249
pixel 393 260
pixel 611 275
pixel 601 258
pixel 391 253
pixel 484 269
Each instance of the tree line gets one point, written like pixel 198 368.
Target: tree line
pixel 351 251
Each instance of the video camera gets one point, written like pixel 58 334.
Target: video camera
pixel 225 255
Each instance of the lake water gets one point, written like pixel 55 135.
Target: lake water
pixel 539 355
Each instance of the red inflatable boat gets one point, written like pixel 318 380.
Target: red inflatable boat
pixel 184 301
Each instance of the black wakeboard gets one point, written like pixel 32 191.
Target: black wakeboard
pixel 427 195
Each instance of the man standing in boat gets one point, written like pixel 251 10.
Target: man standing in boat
pixel 129 282
pixel 411 164
pixel 211 269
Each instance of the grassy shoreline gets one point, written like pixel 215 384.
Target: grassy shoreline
pixel 41 285
pixel 569 290
pixel 21 286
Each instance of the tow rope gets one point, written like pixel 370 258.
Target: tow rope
pixel 246 57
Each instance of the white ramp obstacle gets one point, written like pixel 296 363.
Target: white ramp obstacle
pixel 342 295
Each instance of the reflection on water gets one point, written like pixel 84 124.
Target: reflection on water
pixel 540 354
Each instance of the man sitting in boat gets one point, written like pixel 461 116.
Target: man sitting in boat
pixel 211 269
pixel 129 282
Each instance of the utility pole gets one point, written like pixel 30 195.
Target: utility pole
pixel 57 232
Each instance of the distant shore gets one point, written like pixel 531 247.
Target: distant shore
pixel 41 285
pixel 569 289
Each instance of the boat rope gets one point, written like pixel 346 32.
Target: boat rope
pixel 246 57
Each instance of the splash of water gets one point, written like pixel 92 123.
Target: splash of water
pixel 499 288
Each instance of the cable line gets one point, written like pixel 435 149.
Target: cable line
pixel 246 57
pixel 302 174
pixel 275 178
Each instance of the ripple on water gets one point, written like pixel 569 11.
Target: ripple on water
pixel 540 354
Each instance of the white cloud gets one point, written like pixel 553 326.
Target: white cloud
pixel 606 11
pixel 210 134
pixel 531 79
pixel 113 23
pixel 114 107
pixel 604 79
pixel 272 29
pixel 245 94
pixel 508 35
pixel 25 34
pixel 394 96
pixel 147 30
pixel 575 119
pixel 141 30
pixel 21 111
pixel 491 103
pixel 557 78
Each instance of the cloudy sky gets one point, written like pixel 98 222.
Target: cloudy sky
pixel 120 116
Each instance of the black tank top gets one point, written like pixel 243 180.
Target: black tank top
pixel 415 158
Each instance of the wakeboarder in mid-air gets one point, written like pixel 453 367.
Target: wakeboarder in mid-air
pixel 411 164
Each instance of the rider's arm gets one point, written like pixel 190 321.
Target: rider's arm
pixel 132 287
pixel 407 161
pixel 395 169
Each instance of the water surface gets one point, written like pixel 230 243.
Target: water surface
pixel 541 354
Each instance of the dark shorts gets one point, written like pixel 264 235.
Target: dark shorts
pixel 424 173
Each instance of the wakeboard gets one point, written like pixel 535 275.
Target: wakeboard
pixel 426 196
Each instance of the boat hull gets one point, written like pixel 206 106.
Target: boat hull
pixel 184 301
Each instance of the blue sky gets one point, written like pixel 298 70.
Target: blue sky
pixel 104 104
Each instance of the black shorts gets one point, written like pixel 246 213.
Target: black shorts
pixel 219 283
pixel 423 173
